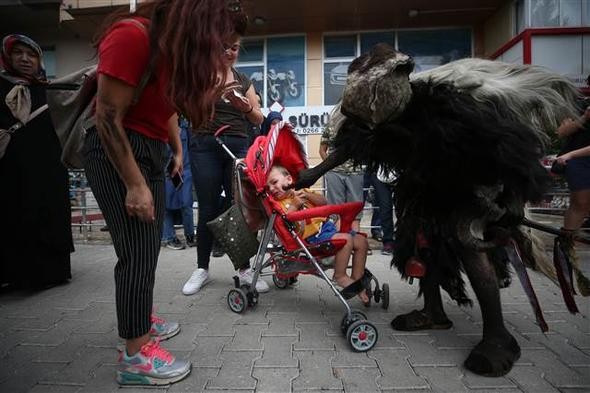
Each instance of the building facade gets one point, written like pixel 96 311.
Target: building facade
pixel 297 52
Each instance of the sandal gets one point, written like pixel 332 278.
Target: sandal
pixel 418 320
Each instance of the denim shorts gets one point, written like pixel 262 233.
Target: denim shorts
pixel 577 173
pixel 327 231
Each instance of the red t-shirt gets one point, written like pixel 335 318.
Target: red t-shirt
pixel 124 54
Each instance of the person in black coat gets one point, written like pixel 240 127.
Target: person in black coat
pixel 35 231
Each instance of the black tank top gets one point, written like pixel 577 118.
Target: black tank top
pixel 225 113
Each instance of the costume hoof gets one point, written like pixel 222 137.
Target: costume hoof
pixel 492 359
pixel 418 320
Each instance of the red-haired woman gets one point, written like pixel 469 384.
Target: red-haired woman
pixel 179 44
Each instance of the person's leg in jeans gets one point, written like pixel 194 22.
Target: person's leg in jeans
pixel 385 197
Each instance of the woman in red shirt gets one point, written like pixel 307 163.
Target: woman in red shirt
pixel 178 44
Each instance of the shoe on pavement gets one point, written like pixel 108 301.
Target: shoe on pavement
pixel 191 240
pixel 174 244
pixel 198 280
pixel 152 365
pixel 387 249
pixel 246 276
pixel 163 329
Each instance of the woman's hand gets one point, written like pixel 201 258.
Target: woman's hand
pixel 238 101
pixel 176 165
pixel 139 203
pixel 564 158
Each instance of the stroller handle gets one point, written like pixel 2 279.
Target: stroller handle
pixel 221 129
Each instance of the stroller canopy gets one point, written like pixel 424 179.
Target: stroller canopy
pixel 280 147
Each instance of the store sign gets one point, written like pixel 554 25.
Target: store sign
pixel 307 120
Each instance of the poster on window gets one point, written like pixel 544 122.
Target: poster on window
pixel 256 75
pixel 334 80
pixel 285 71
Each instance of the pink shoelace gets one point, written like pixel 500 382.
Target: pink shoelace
pixel 156 319
pixel 153 349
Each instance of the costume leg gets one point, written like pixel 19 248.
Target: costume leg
pixel 496 353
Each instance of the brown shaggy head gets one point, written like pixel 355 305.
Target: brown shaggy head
pixel 378 87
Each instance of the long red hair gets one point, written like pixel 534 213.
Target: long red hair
pixel 188 36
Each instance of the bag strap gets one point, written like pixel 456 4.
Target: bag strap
pixel 18 125
pixel 145 78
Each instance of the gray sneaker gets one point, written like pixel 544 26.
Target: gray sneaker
pixel 152 365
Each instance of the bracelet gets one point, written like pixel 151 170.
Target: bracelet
pixel 251 108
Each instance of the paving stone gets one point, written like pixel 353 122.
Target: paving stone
pixel 220 325
pixel 195 382
pixel 102 379
pixel 247 338
pixel 396 371
pixel 21 356
pixel 530 379
pixel 256 316
pixel 23 379
pixel 442 379
pixel 561 346
pixel 315 372
pixel 572 333
pixel 345 357
pixel 423 352
pixel 185 340
pixel 278 352
pixel 82 366
pixel 358 379
pixel 56 389
pixel 474 381
pixel 207 352
pixel 276 380
pixel 312 336
pixel 557 373
pixel 281 324
pixel 236 371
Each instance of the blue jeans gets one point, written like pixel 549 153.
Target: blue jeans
pixel 168 232
pixel 384 199
pixel 212 171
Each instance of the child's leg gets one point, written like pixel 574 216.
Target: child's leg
pixel 341 260
pixel 360 245
pixel 341 263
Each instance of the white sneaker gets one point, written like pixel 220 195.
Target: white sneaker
pixel 198 280
pixel 246 276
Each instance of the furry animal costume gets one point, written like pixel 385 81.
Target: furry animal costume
pixel 466 141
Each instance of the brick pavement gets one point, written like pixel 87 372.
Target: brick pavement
pixel 63 339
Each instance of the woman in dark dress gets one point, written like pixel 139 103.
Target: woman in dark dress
pixel 35 232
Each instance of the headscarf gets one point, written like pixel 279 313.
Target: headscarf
pixel 7 45
pixel 18 99
pixel 265 127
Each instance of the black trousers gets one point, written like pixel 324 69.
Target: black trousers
pixel 137 243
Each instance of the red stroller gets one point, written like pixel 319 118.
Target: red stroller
pixel 294 256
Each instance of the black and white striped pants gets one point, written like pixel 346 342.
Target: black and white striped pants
pixel 136 243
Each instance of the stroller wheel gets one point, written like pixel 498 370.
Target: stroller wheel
pixel 355 315
pixel 280 282
pixel 362 335
pixel 236 300
pixel 385 296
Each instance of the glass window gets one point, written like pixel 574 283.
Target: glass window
pixel 340 46
pixel 251 51
pixel 286 71
pixel 49 62
pixel 586 13
pixel 431 48
pixel 571 13
pixel 369 40
pixel 334 81
pixel 520 16
pixel 544 13
pixel 256 75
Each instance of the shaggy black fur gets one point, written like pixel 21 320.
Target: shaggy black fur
pixel 443 145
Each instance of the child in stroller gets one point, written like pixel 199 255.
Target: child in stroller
pixel 320 229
